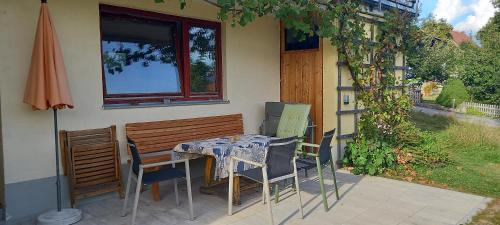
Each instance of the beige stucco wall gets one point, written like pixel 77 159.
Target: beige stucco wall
pixel 251 75
pixel 330 82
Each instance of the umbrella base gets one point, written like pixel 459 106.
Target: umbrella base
pixel 63 217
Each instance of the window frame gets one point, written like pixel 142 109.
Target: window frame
pixel 182 55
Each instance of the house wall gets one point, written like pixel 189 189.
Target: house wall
pixel 2 182
pixel 251 68
pixel 330 74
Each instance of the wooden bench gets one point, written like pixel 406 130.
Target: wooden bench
pixel 156 137
pixel 92 162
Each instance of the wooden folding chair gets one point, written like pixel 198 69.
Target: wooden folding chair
pixel 92 162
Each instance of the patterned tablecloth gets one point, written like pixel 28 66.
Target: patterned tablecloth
pixel 250 147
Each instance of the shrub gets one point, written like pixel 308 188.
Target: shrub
pixel 428 152
pixel 368 156
pixel 454 89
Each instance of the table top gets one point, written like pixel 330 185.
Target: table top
pixel 250 147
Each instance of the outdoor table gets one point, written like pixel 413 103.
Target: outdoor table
pixel 250 147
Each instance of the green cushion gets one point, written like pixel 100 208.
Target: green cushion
pixel 293 121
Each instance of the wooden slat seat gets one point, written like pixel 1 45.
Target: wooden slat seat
pixel 163 136
pixel 92 162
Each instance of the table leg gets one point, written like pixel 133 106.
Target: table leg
pixel 236 191
pixel 208 180
pixel 208 177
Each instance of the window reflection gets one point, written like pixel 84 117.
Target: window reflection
pixel 202 59
pixel 139 56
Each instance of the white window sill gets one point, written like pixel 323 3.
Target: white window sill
pixel 166 104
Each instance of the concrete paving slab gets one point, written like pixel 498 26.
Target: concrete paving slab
pixel 364 200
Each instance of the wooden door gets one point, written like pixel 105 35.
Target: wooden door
pixel 302 81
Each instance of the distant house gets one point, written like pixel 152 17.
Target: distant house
pixel 460 37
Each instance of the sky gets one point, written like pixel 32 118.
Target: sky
pixel 465 15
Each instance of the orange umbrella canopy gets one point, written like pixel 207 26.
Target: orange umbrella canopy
pixel 47 85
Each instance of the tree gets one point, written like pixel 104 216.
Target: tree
pixel 437 56
pixel 481 73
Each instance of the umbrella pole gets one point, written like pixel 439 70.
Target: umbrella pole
pixel 58 182
pixel 59 216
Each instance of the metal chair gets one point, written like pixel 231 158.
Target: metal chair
pixel 322 158
pixel 279 165
pixel 293 122
pixel 272 116
pixel 137 173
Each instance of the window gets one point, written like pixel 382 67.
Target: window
pixel 150 57
pixel 293 41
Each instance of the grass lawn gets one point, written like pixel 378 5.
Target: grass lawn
pixel 475 160
pixel 429 99
pixel 474 151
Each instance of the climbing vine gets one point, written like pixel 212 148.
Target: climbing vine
pixel 370 60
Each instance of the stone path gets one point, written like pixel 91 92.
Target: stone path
pixel 460 116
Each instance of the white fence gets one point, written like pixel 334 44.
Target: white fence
pixel 489 110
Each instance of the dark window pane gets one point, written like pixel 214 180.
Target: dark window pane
pixel 294 42
pixel 139 55
pixel 202 57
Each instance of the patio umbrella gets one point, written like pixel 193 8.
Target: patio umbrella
pixel 47 88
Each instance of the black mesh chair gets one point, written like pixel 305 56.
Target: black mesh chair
pixel 167 171
pixel 272 117
pixel 279 165
pixel 323 157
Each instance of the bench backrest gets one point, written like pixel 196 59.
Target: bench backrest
pixel 165 135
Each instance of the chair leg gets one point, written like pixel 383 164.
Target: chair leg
pixel 230 193
pixel 127 193
pixel 176 186
pixel 268 195
pixel 176 192
pixel 137 193
pixel 334 177
pixel 190 194
pixel 298 189
pixel 276 192
pixel 263 195
pixel 322 183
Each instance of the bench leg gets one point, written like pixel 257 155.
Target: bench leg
pixel 155 189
